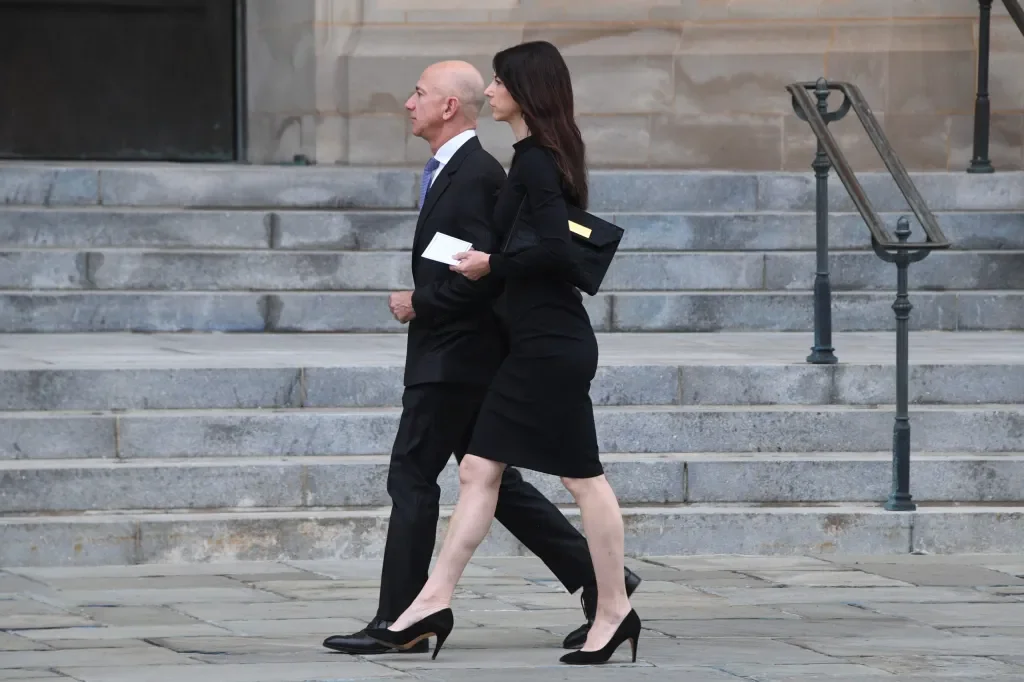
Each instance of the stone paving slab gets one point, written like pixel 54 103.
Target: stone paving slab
pixel 1006 563
pixel 852 595
pixel 811 672
pixel 787 632
pixel 613 673
pixel 958 615
pixel 65 644
pixel 716 627
pixel 40 675
pixel 93 633
pixel 828 579
pixel 169 595
pixel 976 667
pixel 940 575
pixel 136 615
pixel 265 672
pixel 12 642
pixel 911 645
pixel 91 658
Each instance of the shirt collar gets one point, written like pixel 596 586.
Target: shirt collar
pixel 448 149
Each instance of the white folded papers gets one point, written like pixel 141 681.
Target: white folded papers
pixel 442 247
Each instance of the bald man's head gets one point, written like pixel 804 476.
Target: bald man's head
pixel 448 99
pixel 462 81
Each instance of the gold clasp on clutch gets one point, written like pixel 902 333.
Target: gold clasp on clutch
pixel 584 232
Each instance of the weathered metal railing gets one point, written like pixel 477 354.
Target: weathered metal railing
pixel 900 251
pixel 980 161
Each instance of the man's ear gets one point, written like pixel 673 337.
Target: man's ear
pixel 451 107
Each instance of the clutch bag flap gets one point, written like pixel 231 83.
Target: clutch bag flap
pixel 589 229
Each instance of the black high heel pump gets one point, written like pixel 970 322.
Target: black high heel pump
pixel 438 624
pixel 629 629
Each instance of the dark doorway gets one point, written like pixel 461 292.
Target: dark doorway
pixel 118 79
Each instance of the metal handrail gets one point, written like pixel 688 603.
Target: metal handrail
pixel 899 251
pixel 980 161
pixel 808 111
pixel 1016 13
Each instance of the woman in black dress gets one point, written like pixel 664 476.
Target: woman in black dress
pixel 537 413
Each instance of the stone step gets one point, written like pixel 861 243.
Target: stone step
pixel 222 186
pixel 370 431
pixel 298 386
pixel 195 537
pixel 390 270
pixel 52 486
pixel 248 371
pixel 111 227
pixel 367 312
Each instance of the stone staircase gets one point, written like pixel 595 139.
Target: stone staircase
pixel 199 248
pixel 164 447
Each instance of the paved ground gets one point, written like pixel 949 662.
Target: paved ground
pixel 707 619
pixel 116 350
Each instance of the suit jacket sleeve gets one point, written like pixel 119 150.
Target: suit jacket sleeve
pixel 549 218
pixel 477 191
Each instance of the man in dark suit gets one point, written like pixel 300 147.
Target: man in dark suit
pixel 455 345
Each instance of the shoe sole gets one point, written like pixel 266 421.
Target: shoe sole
pixel 406 647
pixel 383 650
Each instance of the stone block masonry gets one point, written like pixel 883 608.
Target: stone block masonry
pixel 659 83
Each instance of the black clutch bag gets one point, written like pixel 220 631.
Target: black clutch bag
pixel 592 245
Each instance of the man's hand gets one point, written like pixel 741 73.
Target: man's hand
pixel 472 264
pixel 400 303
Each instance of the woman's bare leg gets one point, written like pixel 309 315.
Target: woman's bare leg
pixel 602 524
pixel 479 479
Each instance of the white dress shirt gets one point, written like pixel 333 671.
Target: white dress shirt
pixel 448 149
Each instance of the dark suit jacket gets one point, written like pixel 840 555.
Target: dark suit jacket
pixel 455 336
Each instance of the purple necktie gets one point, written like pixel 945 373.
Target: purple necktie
pixel 428 173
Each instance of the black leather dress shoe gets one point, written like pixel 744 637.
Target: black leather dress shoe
pixel 578 637
pixel 359 644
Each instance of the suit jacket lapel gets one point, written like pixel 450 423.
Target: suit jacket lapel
pixel 437 189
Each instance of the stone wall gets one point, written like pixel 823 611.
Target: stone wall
pixel 659 83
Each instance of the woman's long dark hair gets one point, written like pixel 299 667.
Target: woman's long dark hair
pixel 538 79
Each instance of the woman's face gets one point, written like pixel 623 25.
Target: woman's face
pixel 503 107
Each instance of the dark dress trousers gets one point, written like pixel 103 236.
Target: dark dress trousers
pixel 455 345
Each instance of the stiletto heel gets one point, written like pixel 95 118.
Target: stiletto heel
pixel 438 624
pixel 441 636
pixel 629 629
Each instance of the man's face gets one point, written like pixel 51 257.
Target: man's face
pixel 426 105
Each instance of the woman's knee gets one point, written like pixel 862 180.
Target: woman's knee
pixel 580 487
pixel 477 471
pixel 576 486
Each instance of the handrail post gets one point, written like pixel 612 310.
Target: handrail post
pixel 822 353
pixel 900 498
pixel 982 107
